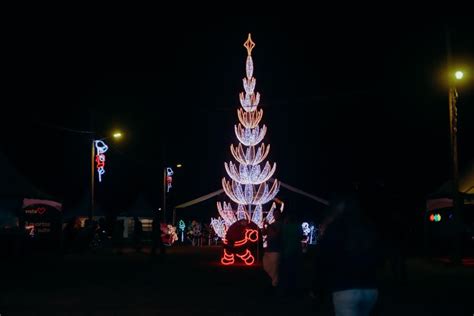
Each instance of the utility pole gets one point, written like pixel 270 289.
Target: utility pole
pixel 164 194
pixel 457 221
pixel 453 129
pixel 91 215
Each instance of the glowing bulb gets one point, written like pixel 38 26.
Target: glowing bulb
pixel 459 75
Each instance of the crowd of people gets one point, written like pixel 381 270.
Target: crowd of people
pixel 93 235
pixel 344 261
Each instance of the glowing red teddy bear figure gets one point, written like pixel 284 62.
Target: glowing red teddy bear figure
pixel 240 247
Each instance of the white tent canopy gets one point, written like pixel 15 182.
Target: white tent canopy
pixel 14 187
pixel 284 185
pixel 313 197
pixel 442 197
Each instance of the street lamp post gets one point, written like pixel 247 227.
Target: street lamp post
pixel 164 193
pixel 167 172
pixel 116 135
pixel 92 178
pixel 453 128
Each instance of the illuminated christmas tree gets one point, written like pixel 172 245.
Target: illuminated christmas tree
pixel 250 185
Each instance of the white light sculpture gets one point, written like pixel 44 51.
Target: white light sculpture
pixel 248 186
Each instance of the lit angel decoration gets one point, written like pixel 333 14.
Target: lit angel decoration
pixel 250 185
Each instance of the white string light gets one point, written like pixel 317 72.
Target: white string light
pixel 250 174
pixel 250 119
pixel 250 136
pixel 250 157
pixel 219 227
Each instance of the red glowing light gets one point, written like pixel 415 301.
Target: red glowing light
pixel 247 257
pixel 100 160
pixel 432 218
pixel 251 235
pixel 227 259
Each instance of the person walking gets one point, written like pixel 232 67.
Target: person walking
pixel 156 238
pixel 137 234
pixel 348 256
pixel 272 249
pixel 291 278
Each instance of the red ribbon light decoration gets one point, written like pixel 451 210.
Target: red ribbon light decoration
pixel 227 259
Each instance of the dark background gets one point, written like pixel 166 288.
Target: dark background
pixel 343 99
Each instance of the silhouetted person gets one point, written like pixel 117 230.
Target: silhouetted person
pixel 291 256
pixel 156 237
pixel 137 233
pixel 71 233
pixel 272 251
pixel 348 256
pixel 118 235
pixel 395 245
pixel 103 225
pixel 86 235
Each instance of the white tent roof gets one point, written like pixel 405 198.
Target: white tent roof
pixel 442 197
pixel 284 185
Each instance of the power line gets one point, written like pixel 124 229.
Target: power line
pixel 62 128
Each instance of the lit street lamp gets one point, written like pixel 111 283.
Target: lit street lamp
pixel 98 148
pixel 459 75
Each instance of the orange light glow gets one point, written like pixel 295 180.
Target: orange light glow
pixel 250 233
pixel 227 259
pixel 250 119
pixel 249 45
pixel 247 258
pixel 248 237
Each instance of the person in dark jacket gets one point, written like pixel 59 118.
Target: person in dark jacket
pixel 137 233
pixel 348 257
pixel 156 236
pixel 291 268
pixel 272 249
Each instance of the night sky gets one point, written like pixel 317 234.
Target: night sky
pixel 352 99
